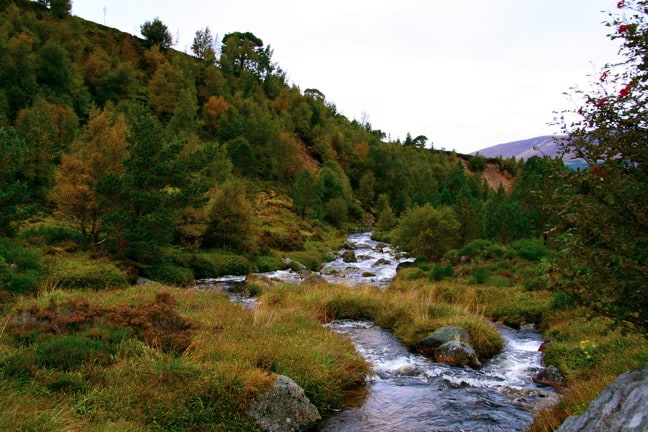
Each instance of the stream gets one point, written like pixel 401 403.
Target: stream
pixel 408 392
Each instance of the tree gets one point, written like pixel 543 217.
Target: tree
pixel 604 261
pixel 244 53
pixel 60 8
pixel 144 202
pixel 203 46
pixel 427 231
pixel 156 33
pixel 165 89
pixel 48 130
pixel 14 191
pixel 231 223
pixel 99 152
pixel 306 195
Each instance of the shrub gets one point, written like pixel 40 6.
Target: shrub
pixel 562 300
pixel 535 283
pixel 17 282
pixel 412 274
pixel 310 259
pixel 336 211
pixel 441 272
pixel 218 263
pixel 80 273
pixel 480 275
pixel 477 163
pixel 50 235
pixel 67 352
pixel 19 269
pixel 532 250
pixel 452 256
pixel 426 230
pixel 268 263
pixel 171 274
pixel 494 251
pixel 476 248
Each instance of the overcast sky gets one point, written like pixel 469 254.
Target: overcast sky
pixel 467 74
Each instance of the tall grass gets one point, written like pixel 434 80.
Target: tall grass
pixel 410 309
pixel 129 383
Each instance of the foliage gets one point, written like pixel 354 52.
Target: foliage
pixel 306 195
pixel 204 46
pixel 244 53
pixel 156 33
pixel 20 269
pixel 604 254
pixel 477 163
pixel 215 263
pixel 171 274
pixel 427 231
pixel 532 250
pixel 230 355
pixel 78 273
pixel 14 191
pixel 231 224
pixel 100 152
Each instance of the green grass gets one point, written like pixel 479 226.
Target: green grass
pixel 82 272
pixel 90 375
pixel 511 287
pixel 409 310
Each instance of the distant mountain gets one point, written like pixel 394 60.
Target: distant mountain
pixel 524 149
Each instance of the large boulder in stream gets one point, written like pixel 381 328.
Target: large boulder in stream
pixel 284 408
pixel 620 407
pixel 428 345
pixel 457 353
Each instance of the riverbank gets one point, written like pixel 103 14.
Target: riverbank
pixel 154 357
pixel 588 350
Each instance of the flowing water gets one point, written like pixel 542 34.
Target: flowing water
pixel 408 392
pixel 361 261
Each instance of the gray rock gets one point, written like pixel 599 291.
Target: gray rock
pixel 456 353
pixel 349 256
pixel 620 407
pixel 381 262
pixel 546 342
pixel 429 344
pixel 143 281
pixel 284 408
pixel 549 376
pixel 312 278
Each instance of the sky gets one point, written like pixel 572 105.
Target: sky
pixel 466 74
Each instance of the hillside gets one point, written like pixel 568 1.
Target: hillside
pixel 141 151
pixel 541 146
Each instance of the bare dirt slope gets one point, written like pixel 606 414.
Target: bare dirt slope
pixel 493 176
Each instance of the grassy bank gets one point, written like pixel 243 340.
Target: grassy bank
pixel 505 286
pixel 410 314
pixel 159 358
